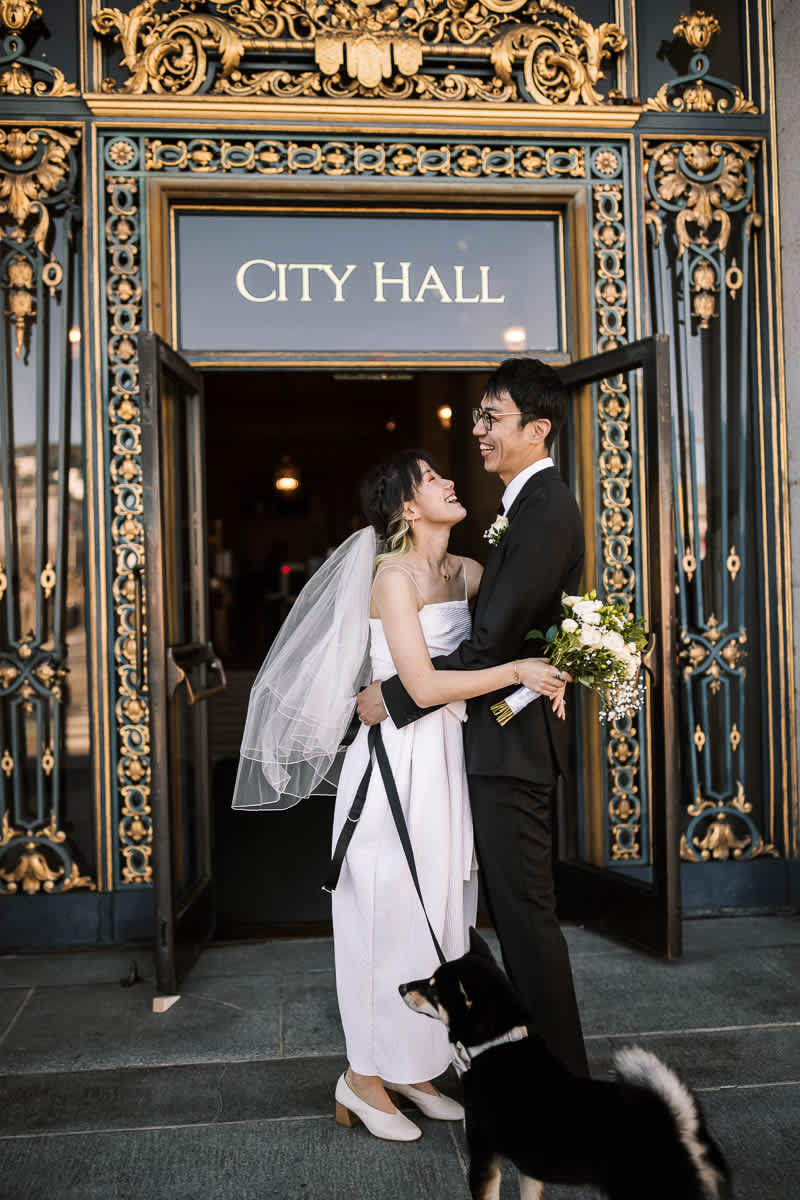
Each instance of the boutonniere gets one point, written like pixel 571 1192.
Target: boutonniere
pixel 496 531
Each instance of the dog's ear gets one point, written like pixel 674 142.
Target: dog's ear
pixel 478 946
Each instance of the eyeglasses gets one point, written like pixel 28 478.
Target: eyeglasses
pixel 488 418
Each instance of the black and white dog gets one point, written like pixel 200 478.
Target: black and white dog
pixel 640 1135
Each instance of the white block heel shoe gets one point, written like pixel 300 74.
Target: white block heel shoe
pixel 392 1127
pixel 440 1107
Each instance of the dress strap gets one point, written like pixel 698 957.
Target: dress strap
pixel 464 569
pixel 405 570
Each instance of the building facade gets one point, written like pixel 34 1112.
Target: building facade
pixel 337 217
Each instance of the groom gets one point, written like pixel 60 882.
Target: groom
pixel 513 769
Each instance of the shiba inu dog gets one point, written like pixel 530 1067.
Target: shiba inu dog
pixel 640 1135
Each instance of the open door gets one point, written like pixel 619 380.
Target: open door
pixel 597 885
pixel 176 654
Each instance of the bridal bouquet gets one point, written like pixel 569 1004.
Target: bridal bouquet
pixel 601 646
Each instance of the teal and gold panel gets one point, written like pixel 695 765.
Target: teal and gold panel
pixel 46 841
pixel 704 217
pixel 617 454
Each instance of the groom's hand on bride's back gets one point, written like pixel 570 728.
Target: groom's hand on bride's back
pixel 371 709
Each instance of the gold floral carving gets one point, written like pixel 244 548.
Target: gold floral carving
pixel 720 840
pixel 615 470
pixel 124 293
pixel 32 871
pixel 697 29
pixel 33 168
pixel 373 48
pixel 18 78
pixel 692 93
pixel 18 14
pixel 702 184
pixel 561 55
pixel 702 200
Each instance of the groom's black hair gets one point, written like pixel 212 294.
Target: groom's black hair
pixel 535 388
pixel 390 484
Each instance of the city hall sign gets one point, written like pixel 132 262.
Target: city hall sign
pixel 260 283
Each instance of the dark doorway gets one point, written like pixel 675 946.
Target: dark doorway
pixel 324 430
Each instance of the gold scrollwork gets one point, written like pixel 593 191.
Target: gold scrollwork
pixel 720 841
pixel 699 739
pixel 700 178
pixel 34 164
pixel 364 48
pixel 561 65
pixel 18 79
pixel 124 292
pixel 616 477
pixel 271 157
pixel 702 184
pixel 692 93
pixel 31 870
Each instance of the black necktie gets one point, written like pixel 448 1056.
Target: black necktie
pixel 501 512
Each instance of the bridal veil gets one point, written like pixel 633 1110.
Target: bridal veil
pixel 304 695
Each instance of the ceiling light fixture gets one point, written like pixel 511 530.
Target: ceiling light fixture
pixel 287 476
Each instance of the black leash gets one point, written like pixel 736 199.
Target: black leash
pixel 375 742
pixel 349 827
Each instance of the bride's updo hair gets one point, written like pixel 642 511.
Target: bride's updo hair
pixel 385 490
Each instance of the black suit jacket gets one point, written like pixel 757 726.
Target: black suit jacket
pixel 539 557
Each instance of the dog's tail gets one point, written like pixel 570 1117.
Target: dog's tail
pixel 644 1069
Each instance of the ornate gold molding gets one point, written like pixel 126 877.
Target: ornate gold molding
pixel 124 299
pixel 32 855
pixel 20 75
pixel 268 156
pixel 719 840
pixel 615 478
pixel 36 168
pixel 702 184
pixel 699 91
pixel 539 51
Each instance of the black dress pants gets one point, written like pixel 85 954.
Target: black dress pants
pixel 513 822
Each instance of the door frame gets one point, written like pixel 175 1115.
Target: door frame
pixel 648 914
pixel 193 920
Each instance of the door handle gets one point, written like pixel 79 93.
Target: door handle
pixel 183 658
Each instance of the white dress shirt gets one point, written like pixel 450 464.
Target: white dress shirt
pixel 518 482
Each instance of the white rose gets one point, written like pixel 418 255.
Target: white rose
pixel 589 636
pixel 571 601
pixel 630 647
pixel 568 625
pixel 613 642
pixel 589 616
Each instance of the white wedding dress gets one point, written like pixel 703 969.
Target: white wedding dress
pixel 380 936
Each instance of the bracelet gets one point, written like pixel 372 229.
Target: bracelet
pixel 516 674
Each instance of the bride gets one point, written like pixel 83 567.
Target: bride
pixel 385 603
